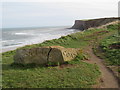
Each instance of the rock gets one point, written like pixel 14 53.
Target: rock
pixel 79 24
pixel 43 55
pixel 83 25
pixel 61 54
pixel 33 55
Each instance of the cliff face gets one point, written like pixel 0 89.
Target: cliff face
pixel 82 25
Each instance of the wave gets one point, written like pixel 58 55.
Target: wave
pixel 12 44
pixel 28 37
pixel 7 41
pixel 23 33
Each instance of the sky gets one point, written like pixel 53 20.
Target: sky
pixel 41 13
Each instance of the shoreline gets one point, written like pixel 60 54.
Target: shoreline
pixel 8 49
pixel 2 50
pixel 11 48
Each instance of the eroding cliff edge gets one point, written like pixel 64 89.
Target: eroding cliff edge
pixel 83 25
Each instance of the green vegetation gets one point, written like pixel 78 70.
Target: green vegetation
pixel 75 40
pixel 74 74
pixel 109 48
pixel 112 52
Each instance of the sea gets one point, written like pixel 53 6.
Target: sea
pixel 17 37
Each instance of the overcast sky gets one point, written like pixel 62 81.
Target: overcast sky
pixel 39 13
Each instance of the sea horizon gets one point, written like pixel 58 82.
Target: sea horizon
pixel 29 27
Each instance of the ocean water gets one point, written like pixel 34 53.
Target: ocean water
pixel 26 36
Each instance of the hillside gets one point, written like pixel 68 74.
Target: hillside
pixel 85 71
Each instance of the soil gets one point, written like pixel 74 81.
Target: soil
pixel 115 46
pixel 107 80
pixel 66 66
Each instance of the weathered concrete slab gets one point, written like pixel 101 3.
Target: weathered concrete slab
pixel 43 55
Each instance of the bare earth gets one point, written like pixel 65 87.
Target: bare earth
pixel 108 80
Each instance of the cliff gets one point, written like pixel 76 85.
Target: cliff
pixel 82 25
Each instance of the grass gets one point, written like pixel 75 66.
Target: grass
pixel 75 40
pixel 79 75
pixel 104 50
pixel 75 74
pixel 112 55
pixel 108 51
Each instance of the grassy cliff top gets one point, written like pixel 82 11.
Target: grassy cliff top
pixel 74 74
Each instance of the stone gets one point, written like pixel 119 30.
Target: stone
pixel 33 55
pixel 43 55
pixel 61 54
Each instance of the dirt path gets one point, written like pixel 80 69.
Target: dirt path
pixel 108 80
